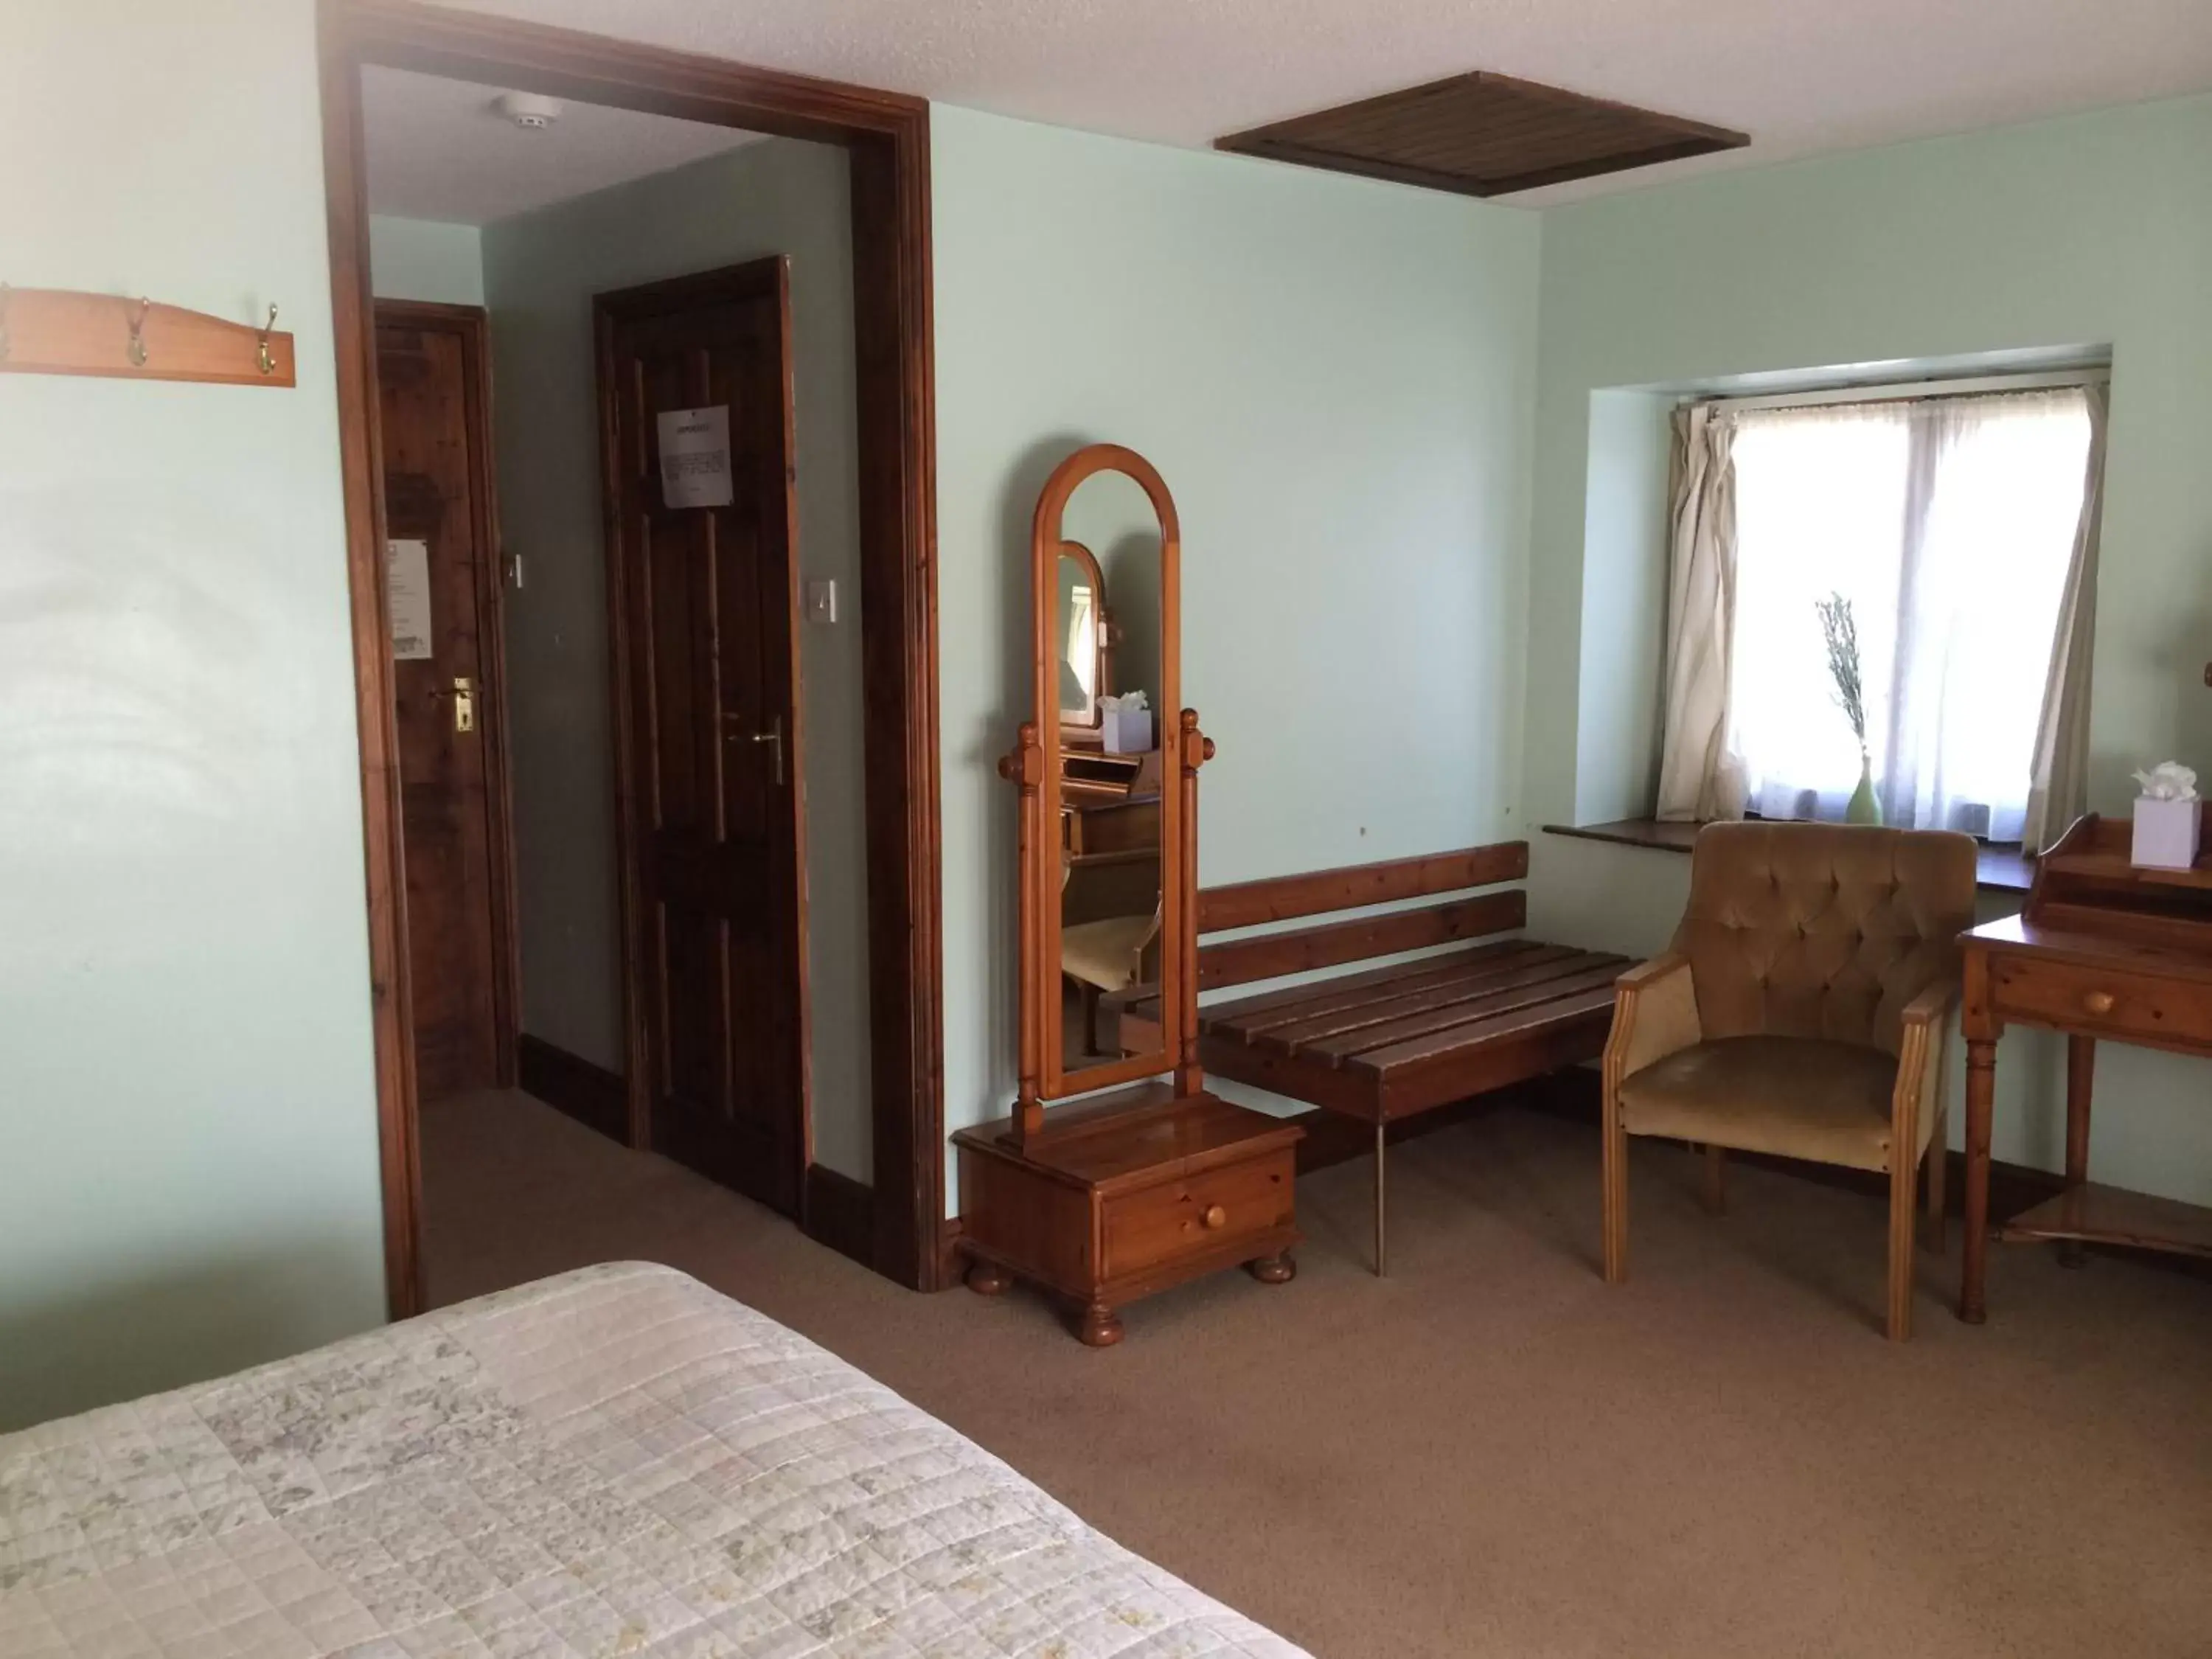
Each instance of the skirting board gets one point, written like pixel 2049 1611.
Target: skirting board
pixel 841 1212
pixel 590 1093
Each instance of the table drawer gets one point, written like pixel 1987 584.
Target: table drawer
pixel 1156 1225
pixel 2094 1001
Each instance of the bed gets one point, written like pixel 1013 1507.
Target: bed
pixel 615 1462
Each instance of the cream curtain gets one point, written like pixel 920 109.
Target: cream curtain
pixel 1699 778
pixel 2058 784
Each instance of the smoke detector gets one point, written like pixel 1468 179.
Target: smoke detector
pixel 528 110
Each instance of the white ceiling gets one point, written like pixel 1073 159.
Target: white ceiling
pixel 1800 76
pixel 437 150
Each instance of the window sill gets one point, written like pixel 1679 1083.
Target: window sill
pixel 2004 868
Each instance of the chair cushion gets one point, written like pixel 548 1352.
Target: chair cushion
pixel 1795 1096
pixel 1109 954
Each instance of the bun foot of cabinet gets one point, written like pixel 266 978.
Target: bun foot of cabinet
pixel 1127 1196
pixel 990 1278
pixel 1099 1328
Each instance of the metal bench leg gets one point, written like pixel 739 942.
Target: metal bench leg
pixel 1381 1260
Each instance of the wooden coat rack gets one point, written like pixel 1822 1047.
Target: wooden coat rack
pixel 54 330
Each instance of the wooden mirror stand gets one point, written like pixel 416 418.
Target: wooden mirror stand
pixel 1118 1193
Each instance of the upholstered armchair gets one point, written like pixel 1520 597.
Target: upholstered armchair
pixel 1804 1010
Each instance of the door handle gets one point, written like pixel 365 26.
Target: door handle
pixel 773 735
pixel 465 702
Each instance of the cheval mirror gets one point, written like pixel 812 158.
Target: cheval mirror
pixel 1131 1188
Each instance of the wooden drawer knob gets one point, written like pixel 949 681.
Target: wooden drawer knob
pixel 1214 1219
pixel 2098 1002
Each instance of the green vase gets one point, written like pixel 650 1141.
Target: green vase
pixel 1865 807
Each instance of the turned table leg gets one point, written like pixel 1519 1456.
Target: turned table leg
pixel 1981 1091
pixel 2080 1077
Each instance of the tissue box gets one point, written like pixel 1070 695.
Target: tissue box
pixel 2165 833
pixel 1128 731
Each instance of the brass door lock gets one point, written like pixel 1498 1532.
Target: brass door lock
pixel 464 704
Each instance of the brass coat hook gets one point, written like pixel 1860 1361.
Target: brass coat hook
pixel 137 351
pixel 267 363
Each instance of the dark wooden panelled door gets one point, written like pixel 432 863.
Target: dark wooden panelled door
pixel 706 609
pixel 431 365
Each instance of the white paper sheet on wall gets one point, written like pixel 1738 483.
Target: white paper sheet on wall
pixel 407 595
pixel 695 457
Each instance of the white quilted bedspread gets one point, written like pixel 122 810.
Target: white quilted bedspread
pixel 615 1462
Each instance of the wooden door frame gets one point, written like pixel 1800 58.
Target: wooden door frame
pixel 609 309
pixel 471 322
pixel 886 137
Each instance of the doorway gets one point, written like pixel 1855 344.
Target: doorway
pixel 892 1222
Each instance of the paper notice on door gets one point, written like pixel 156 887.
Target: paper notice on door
pixel 407 596
pixel 695 457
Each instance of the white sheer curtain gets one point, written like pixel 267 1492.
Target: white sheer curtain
pixel 1951 525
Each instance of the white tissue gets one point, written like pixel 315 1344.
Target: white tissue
pixel 2168 780
pixel 1130 702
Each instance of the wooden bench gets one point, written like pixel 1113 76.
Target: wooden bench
pixel 1382 1043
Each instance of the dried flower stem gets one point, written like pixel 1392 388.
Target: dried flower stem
pixel 1841 631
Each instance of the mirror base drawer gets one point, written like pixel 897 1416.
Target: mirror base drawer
pixel 1208 1211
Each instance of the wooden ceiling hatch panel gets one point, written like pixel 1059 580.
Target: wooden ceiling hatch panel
pixel 1482 135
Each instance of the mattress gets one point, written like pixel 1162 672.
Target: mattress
pixel 616 1463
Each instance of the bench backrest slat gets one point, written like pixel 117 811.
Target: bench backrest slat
pixel 1283 898
pixel 1300 950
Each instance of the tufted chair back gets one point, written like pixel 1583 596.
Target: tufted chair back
pixel 1822 930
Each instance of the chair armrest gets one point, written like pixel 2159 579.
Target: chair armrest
pixel 1922 1062
pixel 1654 1014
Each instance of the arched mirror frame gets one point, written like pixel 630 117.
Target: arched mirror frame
pixel 1036 765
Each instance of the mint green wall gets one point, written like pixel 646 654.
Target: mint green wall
pixel 779 196
pixel 2092 231
pixel 424 259
pixel 188 1155
pixel 1334 378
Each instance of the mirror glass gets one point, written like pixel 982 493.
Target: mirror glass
pixel 1079 630
pixel 1112 865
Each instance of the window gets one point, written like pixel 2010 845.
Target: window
pixel 1949 523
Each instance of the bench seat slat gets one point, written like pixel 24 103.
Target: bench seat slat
pixel 1593 1002
pixel 1347 1029
pixel 1339 988
pixel 1441 1023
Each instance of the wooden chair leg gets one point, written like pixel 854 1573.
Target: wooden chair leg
pixel 1716 1179
pixel 1614 1184
pixel 1939 1162
pixel 1903 1213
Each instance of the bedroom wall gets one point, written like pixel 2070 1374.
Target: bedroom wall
pixel 540 271
pixel 1335 377
pixel 425 259
pixel 188 1157
pixel 2092 231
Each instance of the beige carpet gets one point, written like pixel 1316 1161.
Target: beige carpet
pixel 1490 1453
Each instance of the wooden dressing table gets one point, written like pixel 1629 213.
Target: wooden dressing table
pixel 2104 950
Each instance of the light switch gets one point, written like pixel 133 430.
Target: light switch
pixel 822 600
